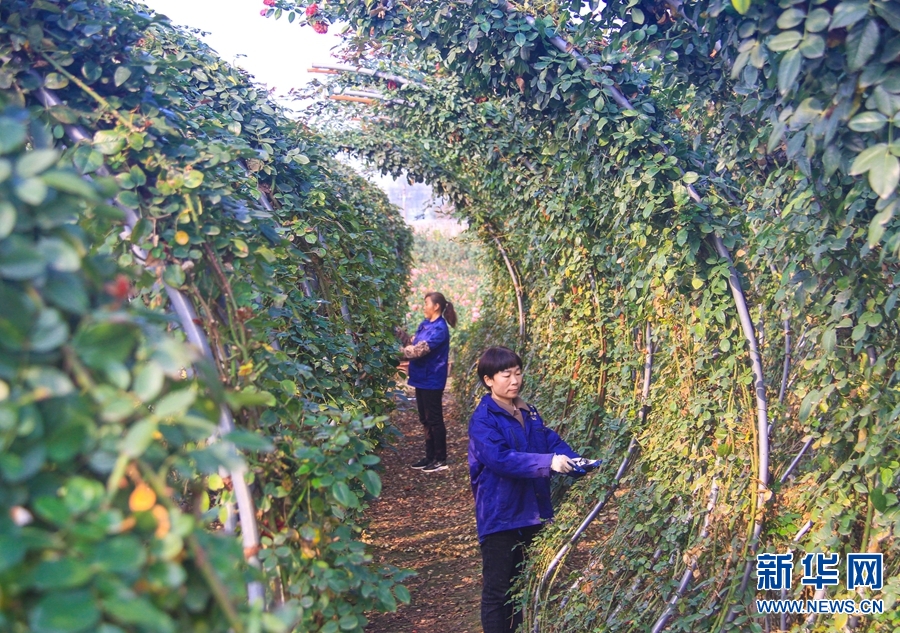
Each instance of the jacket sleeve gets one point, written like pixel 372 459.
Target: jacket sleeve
pixel 432 337
pixel 557 444
pixel 489 447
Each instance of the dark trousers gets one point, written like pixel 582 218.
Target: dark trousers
pixel 431 415
pixel 502 553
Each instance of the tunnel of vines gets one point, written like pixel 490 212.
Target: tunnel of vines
pixel 688 214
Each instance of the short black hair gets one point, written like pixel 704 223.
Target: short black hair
pixel 496 359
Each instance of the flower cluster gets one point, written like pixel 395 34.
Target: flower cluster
pixel 315 19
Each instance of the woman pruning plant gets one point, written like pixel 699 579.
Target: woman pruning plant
pixel 428 352
pixel 511 456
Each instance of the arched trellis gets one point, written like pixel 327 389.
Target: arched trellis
pixel 741 307
pixel 753 338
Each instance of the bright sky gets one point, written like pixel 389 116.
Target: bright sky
pixel 277 53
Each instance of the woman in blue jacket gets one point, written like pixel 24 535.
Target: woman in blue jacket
pixel 511 456
pixel 428 353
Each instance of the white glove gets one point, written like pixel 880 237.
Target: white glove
pixel 561 464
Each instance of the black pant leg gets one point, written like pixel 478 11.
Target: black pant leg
pixel 502 553
pixel 423 407
pixel 431 413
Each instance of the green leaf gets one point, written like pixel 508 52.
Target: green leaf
pixel 50 331
pixel 402 592
pixel 175 404
pixel 120 554
pixel 882 166
pixel 121 75
pixel 784 41
pixel 68 612
pixel 138 438
pixel 19 260
pixel 65 573
pixel 867 122
pixel 98 343
pixel 7 219
pixel 109 142
pixel 790 18
pixel 69 183
pixel 193 179
pixel 55 81
pixel 12 551
pixel 249 398
pixel 879 223
pixel 59 255
pixel 174 275
pixel 861 45
pixel 343 495
pixel 250 441
pixel 849 13
pixel 817 20
pixel 12 134
pixel 867 158
pixel 829 340
pixel 215 482
pixel 807 404
pixel 86 159
pixel 741 6
pixel 890 12
pixel 878 499
pixel 140 612
pixel 148 381
pixel 91 71
pixel 690 177
pixel 788 69
pixel 812 46
pixel 31 191
pixel 372 482
pixel 34 162
pixel 48 382
pixel 637 16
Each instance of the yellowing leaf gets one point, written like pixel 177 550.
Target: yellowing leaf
pixel 181 237
pixel 741 6
pixel 163 524
pixel 246 369
pixel 142 498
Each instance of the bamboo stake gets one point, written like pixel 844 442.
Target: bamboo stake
pixel 365 100
pixel 516 286
pixel 761 412
pixel 359 70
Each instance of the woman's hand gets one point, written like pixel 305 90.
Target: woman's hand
pixel 403 336
pixel 561 464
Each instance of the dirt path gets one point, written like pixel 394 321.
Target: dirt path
pixel 426 522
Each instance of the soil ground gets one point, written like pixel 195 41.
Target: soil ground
pixel 426 522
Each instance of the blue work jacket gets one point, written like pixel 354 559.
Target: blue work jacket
pixel 430 371
pixel 509 467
